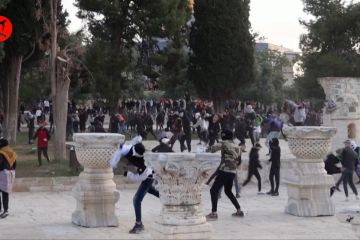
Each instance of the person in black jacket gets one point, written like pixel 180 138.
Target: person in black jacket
pixel 163 146
pixel 214 129
pixel 240 131
pixel 275 167
pixel 186 136
pixel 254 164
pixel 7 175
pixel 349 159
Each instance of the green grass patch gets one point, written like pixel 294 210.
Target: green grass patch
pixel 27 163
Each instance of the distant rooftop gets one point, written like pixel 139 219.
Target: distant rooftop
pixel 260 46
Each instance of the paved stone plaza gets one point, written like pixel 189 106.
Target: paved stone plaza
pixel 47 215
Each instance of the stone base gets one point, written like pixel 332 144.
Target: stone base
pixel 309 201
pixel 200 231
pixel 96 196
pixel 95 210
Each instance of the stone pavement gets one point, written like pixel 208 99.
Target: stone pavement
pixel 47 215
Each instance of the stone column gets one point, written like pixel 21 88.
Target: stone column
pixel 95 191
pixel 180 177
pixel 345 92
pixel 307 183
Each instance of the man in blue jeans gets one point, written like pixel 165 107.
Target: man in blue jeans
pixel 134 153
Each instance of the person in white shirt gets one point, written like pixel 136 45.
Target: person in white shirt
pixel 203 124
pixel 46 106
pixel 299 112
pixel 38 115
pixel 134 153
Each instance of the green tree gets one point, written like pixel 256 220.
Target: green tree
pixel 124 38
pixel 331 46
pixel 2 5
pixel 268 85
pixel 18 48
pixel 222 49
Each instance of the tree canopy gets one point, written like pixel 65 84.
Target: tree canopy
pixel 222 48
pixel 123 39
pixel 331 46
pixel 268 85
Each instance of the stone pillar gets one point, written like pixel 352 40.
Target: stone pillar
pixel 95 192
pixel 180 177
pixel 345 92
pixel 351 215
pixel 307 183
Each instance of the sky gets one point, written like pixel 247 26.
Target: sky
pixel 276 20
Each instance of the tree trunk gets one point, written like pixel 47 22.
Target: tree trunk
pixel 218 105
pixel 53 53
pixel 59 91
pixel 60 116
pixel 11 97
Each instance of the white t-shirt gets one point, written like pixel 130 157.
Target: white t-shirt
pixel 38 113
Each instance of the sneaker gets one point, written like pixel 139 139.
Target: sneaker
pixel 238 195
pixel 332 190
pixel 211 217
pixel 4 214
pixel 275 194
pixel 137 228
pixel 238 214
pixel 260 193
pixel 270 193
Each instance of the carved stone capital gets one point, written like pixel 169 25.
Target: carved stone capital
pixel 179 177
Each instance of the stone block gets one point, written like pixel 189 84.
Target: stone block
pixel 199 231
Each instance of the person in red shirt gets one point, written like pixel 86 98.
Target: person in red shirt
pixel 43 136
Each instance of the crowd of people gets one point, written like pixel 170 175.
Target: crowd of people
pixel 178 120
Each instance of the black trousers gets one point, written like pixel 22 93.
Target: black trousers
pixel 225 179
pixel 44 151
pixel 347 177
pixel 213 138
pixel 256 173
pixel 185 138
pixel 5 200
pixel 274 173
pixel 339 181
pixel 31 134
pixel 251 135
